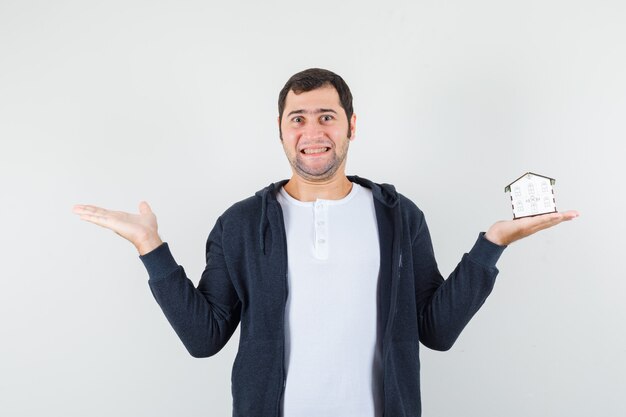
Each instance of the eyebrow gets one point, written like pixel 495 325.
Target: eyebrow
pixel 316 111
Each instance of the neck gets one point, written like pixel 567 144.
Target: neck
pixel 334 188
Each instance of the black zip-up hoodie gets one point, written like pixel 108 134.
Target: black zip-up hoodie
pixel 245 280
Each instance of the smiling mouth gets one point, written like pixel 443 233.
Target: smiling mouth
pixel 311 151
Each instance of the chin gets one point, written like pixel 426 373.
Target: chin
pixel 321 175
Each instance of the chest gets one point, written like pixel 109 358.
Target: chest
pixel 333 250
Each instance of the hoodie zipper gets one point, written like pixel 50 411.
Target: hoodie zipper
pixel 285 274
pixel 396 270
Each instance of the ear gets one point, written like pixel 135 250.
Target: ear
pixel 280 132
pixel 352 126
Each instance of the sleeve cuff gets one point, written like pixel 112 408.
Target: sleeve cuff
pixel 159 262
pixel 485 251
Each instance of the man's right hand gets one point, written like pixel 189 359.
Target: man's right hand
pixel 139 229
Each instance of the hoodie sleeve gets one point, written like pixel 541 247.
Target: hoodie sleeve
pixel 204 318
pixel 446 306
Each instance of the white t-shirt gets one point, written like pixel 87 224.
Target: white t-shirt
pixel 332 349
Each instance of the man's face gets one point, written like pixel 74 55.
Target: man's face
pixel 315 133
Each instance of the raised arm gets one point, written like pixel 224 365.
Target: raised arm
pixel 205 317
pixel 445 307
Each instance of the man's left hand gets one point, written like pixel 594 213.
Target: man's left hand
pixel 506 232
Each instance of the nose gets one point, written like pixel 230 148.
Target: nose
pixel 313 131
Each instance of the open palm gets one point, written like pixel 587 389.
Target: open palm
pixel 506 232
pixel 140 229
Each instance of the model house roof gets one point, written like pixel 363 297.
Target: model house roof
pixel 508 187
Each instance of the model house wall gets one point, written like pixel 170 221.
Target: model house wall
pixel 531 195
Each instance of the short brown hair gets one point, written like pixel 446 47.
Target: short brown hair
pixel 311 79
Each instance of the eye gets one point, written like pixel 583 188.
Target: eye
pixel 327 118
pixel 297 119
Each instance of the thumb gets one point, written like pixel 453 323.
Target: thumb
pixel 144 207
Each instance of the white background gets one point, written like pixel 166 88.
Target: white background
pixel 174 102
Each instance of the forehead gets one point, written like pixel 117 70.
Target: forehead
pixel 323 97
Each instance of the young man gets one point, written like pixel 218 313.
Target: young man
pixel 332 277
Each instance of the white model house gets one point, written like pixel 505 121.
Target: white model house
pixel 531 195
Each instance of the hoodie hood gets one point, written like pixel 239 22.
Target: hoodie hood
pixel 385 193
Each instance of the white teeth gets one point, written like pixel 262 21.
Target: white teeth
pixel 318 150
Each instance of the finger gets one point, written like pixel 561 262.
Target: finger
pixel 78 208
pixel 570 214
pixel 144 208
pixel 103 221
pixel 552 219
pixel 89 209
pixel 556 218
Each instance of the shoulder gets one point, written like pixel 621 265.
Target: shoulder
pixel 388 197
pixel 237 226
pixel 247 205
pixel 242 210
pixel 386 194
pixel 408 206
pixel 412 216
pixel 253 205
